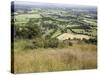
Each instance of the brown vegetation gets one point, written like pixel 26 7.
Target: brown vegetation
pixel 56 59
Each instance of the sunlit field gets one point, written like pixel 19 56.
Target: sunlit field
pixel 42 60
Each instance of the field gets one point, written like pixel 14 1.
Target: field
pixel 25 17
pixel 72 36
pixel 53 37
pixel 43 60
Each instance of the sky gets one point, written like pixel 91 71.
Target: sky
pixel 79 2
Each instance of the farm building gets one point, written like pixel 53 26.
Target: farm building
pixel 66 36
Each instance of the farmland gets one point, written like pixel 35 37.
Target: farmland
pixel 53 37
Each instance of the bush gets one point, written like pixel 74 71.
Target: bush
pixel 23 44
pixel 29 46
pixel 61 44
pixel 26 44
pixel 46 43
pixel 52 43
pixel 38 43
pixel 91 41
pixel 70 44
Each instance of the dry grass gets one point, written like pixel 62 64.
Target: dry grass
pixel 41 60
pixel 65 36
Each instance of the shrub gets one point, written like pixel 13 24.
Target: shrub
pixel 70 43
pixel 29 46
pixel 53 43
pixel 61 44
pixel 23 44
pixel 38 43
pixel 91 41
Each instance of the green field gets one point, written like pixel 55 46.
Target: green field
pixel 25 17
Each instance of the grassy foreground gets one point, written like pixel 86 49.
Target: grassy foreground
pixel 56 59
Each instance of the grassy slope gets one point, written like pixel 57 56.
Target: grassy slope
pixel 40 60
pixel 26 17
pixel 58 32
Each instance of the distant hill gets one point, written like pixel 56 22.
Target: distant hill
pixel 24 5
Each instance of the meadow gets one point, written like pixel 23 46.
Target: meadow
pixel 76 57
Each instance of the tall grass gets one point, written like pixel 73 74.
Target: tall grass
pixel 56 59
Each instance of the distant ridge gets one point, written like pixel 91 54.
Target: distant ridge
pixel 22 4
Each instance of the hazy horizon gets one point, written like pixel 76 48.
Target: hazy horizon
pixel 48 3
